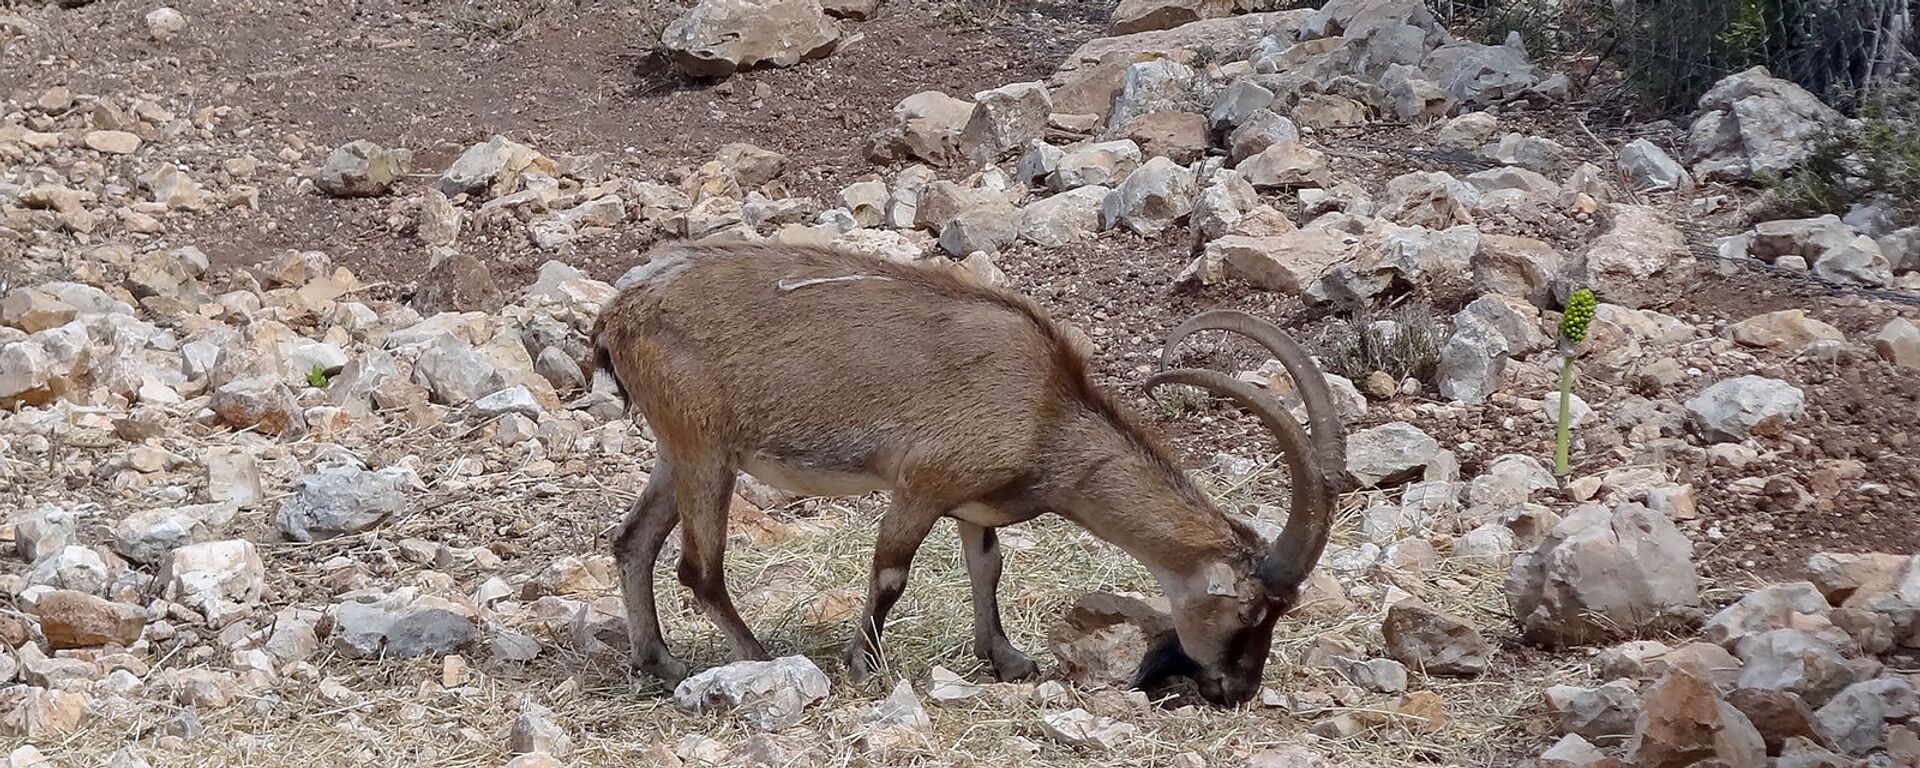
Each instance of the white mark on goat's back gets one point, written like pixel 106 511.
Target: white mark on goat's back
pixel 790 285
pixel 656 273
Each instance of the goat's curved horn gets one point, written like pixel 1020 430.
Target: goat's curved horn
pixel 1310 520
pixel 1329 437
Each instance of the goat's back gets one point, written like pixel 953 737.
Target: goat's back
pixel 837 361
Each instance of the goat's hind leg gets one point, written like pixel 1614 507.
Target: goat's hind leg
pixel 703 493
pixel 636 548
pixel 990 643
pixel 902 529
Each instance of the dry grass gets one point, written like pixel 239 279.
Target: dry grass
pixel 400 715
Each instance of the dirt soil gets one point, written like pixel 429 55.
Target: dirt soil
pixel 577 80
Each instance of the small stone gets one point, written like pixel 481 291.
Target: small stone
pixel 1151 198
pixel 1571 751
pixel 1389 453
pixel 1082 729
pixel 1684 719
pixel 770 695
pixel 1787 330
pixel 72 619
pixel 1601 713
pixel 1733 409
pixel 1434 642
pixel 1793 661
pixel 1378 675
pixel 1899 343
pixel 113 142
pixel 1600 574
pixel 165 23
pixel 341 498
pixel 949 689
pixel 147 536
pixel 259 402
pixel 535 731
pixel 1856 718
pixel 1779 716
pixel 71 567
pixel 220 579
pixel 1648 167
pixel 719 37
pixel 402 624
pixel 361 168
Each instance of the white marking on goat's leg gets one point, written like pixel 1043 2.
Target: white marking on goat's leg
pixel 902 529
pixel 982 550
pixel 791 285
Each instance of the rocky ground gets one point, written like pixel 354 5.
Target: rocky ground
pixel 298 458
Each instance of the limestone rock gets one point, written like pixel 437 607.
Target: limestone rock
pixel 1649 167
pixel 1753 122
pixel 402 624
pixel 1063 218
pixel 1788 329
pixel 1005 119
pixel 1389 453
pixel 1733 409
pixel 1600 574
pixel 1602 713
pixel 147 536
pixel 493 168
pixel 72 619
pixel 719 37
pixel 220 579
pixel 1083 729
pixel 1684 720
pixel 1899 343
pixel 770 695
pixel 1434 642
pixel 1289 263
pixel 259 402
pixel 1151 199
pixel 341 498
pixel 1148 15
pixel 928 126
pixel 1639 259
pixel 361 168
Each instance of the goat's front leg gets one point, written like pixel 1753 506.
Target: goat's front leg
pixel 636 546
pixel 990 643
pixel 902 529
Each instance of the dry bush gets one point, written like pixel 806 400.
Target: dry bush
pixel 1406 345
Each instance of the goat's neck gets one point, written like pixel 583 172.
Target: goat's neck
pixel 1123 493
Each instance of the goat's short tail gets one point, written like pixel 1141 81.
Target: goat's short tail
pixel 603 361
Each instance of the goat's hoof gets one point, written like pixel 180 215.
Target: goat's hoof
pixel 860 665
pixel 662 667
pixel 1010 665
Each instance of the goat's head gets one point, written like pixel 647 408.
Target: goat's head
pixel 1224 612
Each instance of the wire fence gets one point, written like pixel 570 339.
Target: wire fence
pixel 1664 54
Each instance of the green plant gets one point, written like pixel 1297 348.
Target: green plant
pixel 1573 331
pixel 1879 158
pixel 317 378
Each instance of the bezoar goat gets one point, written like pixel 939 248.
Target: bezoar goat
pixel 830 373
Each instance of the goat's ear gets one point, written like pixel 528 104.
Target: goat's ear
pixel 1222 581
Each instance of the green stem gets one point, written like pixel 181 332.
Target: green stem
pixel 1561 438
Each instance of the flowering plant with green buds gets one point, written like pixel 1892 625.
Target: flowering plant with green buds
pixel 1573 330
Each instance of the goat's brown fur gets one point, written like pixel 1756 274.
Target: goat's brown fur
pixel 829 373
